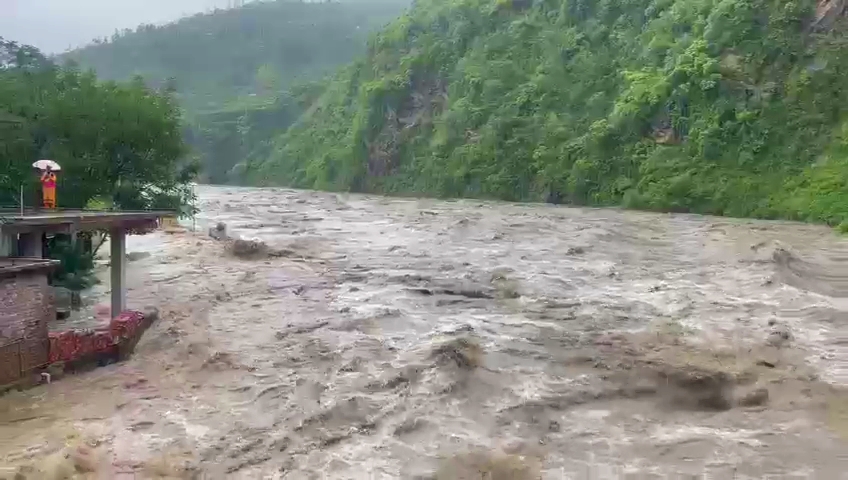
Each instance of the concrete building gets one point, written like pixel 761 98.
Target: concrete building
pixel 21 234
pixel 26 299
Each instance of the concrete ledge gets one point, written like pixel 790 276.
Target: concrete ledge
pixel 11 266
pixel 78 220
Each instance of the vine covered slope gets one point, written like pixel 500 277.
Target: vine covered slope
pixel 729 107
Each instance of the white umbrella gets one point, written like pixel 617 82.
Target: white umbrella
pixel 44 164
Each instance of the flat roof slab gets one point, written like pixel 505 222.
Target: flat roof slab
pixel 10 266
pixel 78 220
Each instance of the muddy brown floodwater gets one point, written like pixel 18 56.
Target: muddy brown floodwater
pixel 397 338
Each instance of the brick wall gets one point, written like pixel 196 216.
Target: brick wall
pixel 26 305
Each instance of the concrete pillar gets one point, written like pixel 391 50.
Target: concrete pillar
pixel 7 244
pixel 74 236
pixel 118 260
pixel 30 245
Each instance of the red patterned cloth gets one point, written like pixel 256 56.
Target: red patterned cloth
pixel 73 345
pixel 62 346
pixel 84 343
pixel 126 325
pixel 103 340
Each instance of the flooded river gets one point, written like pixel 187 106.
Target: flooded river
pixel 419 339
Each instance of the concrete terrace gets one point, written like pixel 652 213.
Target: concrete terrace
pixel 16 265
pixel 22 234
pixel 67 221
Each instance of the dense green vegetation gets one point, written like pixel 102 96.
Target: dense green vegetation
pixel 119 144
pixel 730 107
pixel 231 69
pixel 243 129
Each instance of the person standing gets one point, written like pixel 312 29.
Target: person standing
pixel 48 188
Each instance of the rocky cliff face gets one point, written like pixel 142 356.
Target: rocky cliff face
pixel 828 12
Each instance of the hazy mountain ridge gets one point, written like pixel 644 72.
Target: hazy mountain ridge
pixel 232 69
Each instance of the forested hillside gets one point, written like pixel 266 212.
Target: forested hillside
pixel 730 107
pixel 231 69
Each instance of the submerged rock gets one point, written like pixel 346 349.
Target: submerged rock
pixel 464 353
pixel 135 256
pixel 489 465
pixel 242 248
pixel 755 398
pixel 219 231
pixel 779 336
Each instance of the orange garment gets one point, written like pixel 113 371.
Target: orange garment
pixel 48 189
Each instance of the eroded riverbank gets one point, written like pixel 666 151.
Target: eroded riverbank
pixel 391 338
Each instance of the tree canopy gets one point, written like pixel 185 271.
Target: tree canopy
pixel 729 107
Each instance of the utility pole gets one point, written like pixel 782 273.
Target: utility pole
pixel 193 208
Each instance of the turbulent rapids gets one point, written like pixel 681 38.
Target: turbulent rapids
pixel 397 338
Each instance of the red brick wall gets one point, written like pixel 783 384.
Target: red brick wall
pixel 26 305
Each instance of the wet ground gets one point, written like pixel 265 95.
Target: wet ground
pixel 394 338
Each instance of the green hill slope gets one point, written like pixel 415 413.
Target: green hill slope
pixel 231 69
pixel 713 106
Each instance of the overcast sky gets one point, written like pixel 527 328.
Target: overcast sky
pixel 55 25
